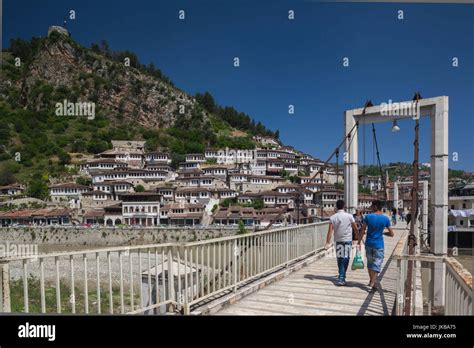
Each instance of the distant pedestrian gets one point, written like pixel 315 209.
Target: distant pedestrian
pixel 359 219
pixel 408 218
pixel 342 224
pixel 402 215
pixel 375 224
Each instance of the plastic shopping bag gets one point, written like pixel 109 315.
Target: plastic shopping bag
pixel 358 262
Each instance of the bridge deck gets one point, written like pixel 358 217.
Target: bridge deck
pixel 313 290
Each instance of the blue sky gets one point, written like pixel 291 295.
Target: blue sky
pixel 296 62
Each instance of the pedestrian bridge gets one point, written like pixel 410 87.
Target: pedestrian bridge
pixel 283 271
pixel 312 290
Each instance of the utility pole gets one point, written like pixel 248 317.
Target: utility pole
pixel 414 214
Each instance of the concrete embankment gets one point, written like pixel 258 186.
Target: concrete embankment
pixel 107 236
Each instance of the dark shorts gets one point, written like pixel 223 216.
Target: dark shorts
pixel 374 258
pixel 354 236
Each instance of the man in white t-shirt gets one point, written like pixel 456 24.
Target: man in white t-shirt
pixel 342 224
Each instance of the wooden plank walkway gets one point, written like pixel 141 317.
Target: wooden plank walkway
pixel 313 290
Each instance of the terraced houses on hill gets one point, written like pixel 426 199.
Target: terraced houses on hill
pixel 270 185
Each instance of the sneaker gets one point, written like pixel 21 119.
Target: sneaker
pixel 341 282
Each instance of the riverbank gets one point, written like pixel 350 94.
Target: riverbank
pixel 466 258
pixel 108 236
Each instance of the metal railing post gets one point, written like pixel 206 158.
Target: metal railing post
pixel 315 243
pixel 186 307
pixel 287 248
pixel 297 241
pixel 400 294
pixel 413 305
pixel 5 304
pixel 234 268
pixel 171 293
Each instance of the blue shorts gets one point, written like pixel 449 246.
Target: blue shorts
pixel 374 258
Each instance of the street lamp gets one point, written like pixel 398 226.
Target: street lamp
pixel 395 127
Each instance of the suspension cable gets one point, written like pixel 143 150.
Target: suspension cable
pixel 334 153
pixel 325 164
pixel 382 177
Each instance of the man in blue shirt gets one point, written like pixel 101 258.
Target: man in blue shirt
pixel 375 225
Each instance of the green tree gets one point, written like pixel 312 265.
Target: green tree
pixel 8 169
pixel 26 50
pixel 97 146
pixel 83 181
pixel 95 48
pixel 139 188
pixel 258 204
pixel 6 176
pixel 105 49
pixel 228 201
pixel 242 229
pixel 37 187
pixel 363 189
pixel 453 173
pixel 207 101
pixel 64 158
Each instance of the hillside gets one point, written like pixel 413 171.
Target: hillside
pixel 131 102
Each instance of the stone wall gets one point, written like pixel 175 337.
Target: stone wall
pixel 107 236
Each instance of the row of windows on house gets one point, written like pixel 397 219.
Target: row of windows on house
pixel 130 156
pixel 106 165
pixel 463 206
pixel 471 223
pixel 140 209
pixel 117 188
pixel 66 190
pixel 182 211
pixel 149 173
pixel 230 155
pixel 156 158
pixel 202 181
pixel 333 197
pixel 215 171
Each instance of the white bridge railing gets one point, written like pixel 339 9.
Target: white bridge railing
pixel 150 279
pixel 458 296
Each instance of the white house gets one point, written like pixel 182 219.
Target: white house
pixel 141 208
pixel 157 158
pixel 195 157
pixel 67 193
pixel 372 182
